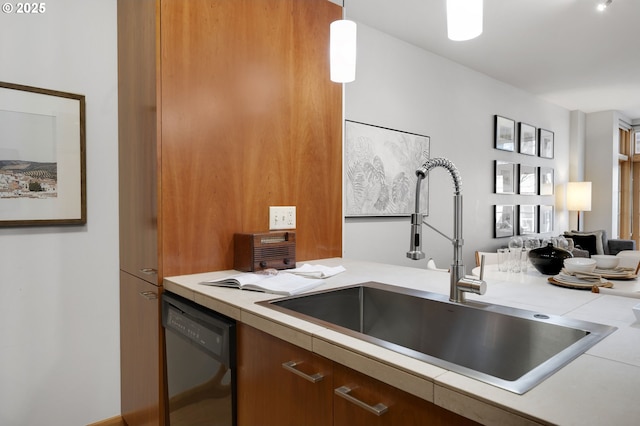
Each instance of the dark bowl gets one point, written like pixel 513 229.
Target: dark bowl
pixel 548 260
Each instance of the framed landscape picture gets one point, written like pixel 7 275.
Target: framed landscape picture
pixel 42 157
pixel 505 177
pixel 527 138
pixel 504 221
pixel 545 217
pixel 546 142
pixel 527 219
pixel 505 133
pixel 528 180
pixel 546 181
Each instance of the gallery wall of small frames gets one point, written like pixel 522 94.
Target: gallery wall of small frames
pixel 526 175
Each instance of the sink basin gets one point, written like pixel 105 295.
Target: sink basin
pixel 510 348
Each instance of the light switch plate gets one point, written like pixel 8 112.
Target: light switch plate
pixel 282 217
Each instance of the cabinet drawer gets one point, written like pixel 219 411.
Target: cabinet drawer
pixel 281 384
pixel 362 400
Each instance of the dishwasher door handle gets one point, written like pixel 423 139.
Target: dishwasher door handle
pixel 291 366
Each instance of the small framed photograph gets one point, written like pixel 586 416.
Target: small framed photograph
pixel 545 138
pixel 546 181
pixel 528 180
pixel 545 217
pixel 505 133
pixel 505 182
pixel 503 219
pixel 528 142
pixel 527 219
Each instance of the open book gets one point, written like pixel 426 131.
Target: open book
pixel 281 283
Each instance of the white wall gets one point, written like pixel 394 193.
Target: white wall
pixel 601 168
pixel 402 87
pixel 59 321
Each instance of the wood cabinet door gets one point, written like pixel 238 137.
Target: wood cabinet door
pixel 140 349
pixel 362 400
pixel 137 138
pixel 272 394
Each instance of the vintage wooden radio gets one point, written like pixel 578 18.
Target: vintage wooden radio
pixel 256 252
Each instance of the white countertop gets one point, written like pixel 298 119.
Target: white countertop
pixel 599 387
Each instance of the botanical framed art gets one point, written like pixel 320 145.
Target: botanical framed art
pixel 527 219
pixel 545 138
pixel 503 220
pixel 380 166
pixel 527 138
pixel 528 180
pixel 547 181
pixel 42 157
pixel 505 177
pixel 505 133
pixel 545 217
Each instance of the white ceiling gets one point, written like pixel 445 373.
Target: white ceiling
pixel 564 51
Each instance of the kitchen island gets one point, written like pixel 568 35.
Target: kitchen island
pixel 599 387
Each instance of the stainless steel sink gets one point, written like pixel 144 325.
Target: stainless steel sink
pixel 510 348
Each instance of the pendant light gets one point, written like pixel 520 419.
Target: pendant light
pixel 464 19
pixel 342 48
pixel 603 5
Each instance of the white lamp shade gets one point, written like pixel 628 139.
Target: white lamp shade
pixel 579 196
pixel 342 48
pixel 464 19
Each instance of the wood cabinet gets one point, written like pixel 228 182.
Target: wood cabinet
pixel 225 108
pixel 371 396
pixel 271 395
pixel 319 391
pixel 140 344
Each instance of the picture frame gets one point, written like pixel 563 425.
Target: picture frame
pixel 42 157
pixel 547 181
pixel 505 177
pixel 528 143
pixel 545 219
pixel 546 143
pixel 504 133
pixel 527 219
pixel 380 166
pixel 504 218
pixel 528 181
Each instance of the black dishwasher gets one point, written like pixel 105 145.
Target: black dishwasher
pixel 200 359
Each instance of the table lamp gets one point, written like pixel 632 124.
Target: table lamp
pixel 579 198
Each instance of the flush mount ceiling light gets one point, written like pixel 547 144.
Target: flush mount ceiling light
pixel 342 47
pixel 464 19
pixel 603 5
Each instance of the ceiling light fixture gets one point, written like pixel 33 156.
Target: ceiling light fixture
pixel 342 48
pixel 464 19
pixel 603 5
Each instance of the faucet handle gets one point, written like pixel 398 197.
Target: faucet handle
pixel 482 268
pixel 472 285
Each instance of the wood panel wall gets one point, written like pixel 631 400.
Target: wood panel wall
pixel 249 119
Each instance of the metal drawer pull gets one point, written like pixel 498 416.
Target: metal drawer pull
pixel 149 295
pixel 149 271
pixel 378 409
pixel 291 366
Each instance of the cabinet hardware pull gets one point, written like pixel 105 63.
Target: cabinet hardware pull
pixel 149 271
pixel 291 366
pixel 149 295
pixel 378 409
